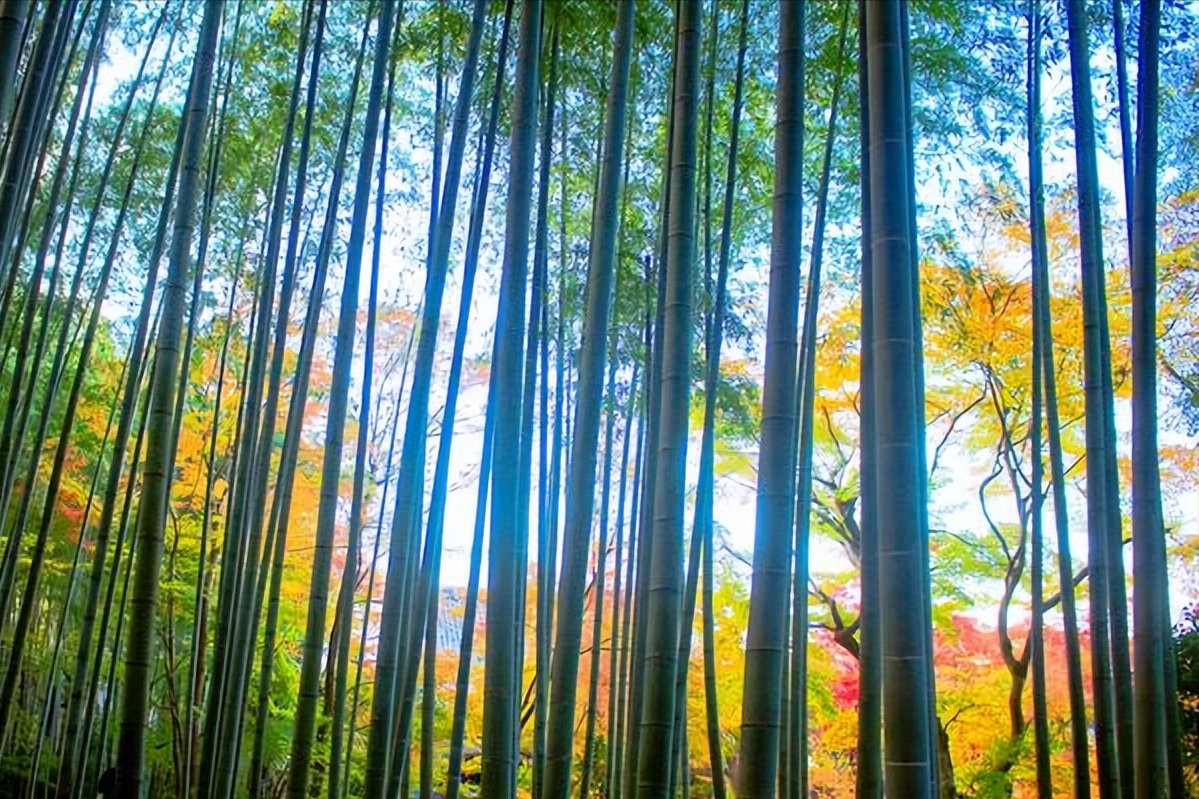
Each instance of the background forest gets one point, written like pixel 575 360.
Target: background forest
pixel 511 398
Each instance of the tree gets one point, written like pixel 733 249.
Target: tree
pixel 29 599
pixel 422 604
pixel 152 519
pixel 704 499
pixel 536 345
pixel 499 745
pixel 797 767
pixel 13 14
pixel 909 762
pixel 663 581
pixel 1099 452
pixel 761 721
pixel 314 637
pixel 1186 648
pixel 580 495
pixel 1151 606
pixel 256 457
pixel 23 135
pixel 474 237
pixel 282 501
pixel 349 576
pixel 16 417
pixel 861 475
pixel 1043 342
pixel 870 675
pixel 396 673
pixel 1036 643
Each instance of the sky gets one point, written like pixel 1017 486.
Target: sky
pixel 734 511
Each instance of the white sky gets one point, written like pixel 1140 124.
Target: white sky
pixel 734 508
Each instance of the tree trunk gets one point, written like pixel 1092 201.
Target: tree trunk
pixel 139 649
pixel 37 557
pixel 1036 641
pixel 20 395
pixel 251 494
pixel 498 777
pixel 1080 745
pixel 53 694
pixel 663 580
pixel 281 504
pixel 195 669
pixel 580 494
pixel 305 723
pixel 547 517
pixel 1150 603
pixel 349 574
pixel 110 695
pixel 797 768
pixel 198 663
pixel 766 646
pixel 114 573
pixel 26 175
pixel 422 597
pixel 624 717
pixel 401 608
pixel 869 784
pixel 13 16
pixel 616 644
pixel 704 487
pixel 599 583
pixel 474 240
pixel 1097 446
pixel 905 616
pixel 1126 146
pixel 23 135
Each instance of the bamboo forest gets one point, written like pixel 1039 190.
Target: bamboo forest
pixel 599 399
